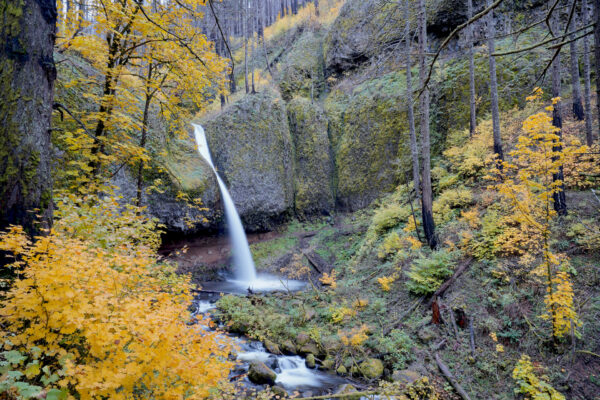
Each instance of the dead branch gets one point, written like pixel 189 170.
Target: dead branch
pixel 446 372
pixel 459 271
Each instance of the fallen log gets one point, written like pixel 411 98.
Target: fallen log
pixel 459 271
pixel 317 262
pixel 448 375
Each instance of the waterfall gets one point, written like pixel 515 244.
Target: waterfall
pixel 242 258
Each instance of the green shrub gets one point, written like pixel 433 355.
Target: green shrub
pixel 389 216
pixel 427 273
pixel 396 346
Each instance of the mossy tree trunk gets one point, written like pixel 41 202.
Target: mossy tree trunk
pixel 27 75
pixel 414 148
pixel 426 190
pixel 560 205
pixel 472 108
pixel 587 90
pixel 491 32
pixel 575 85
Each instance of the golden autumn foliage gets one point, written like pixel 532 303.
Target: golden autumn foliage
pixel 96 311
pixel 530 385
pixel 148 58
pixel 526 183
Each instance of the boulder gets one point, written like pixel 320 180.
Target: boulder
pixel 313 178
pixel 341 370
pixel 272 347
pixel 371 368
pixel 251 147
pixel 347 389
pixel 406 376
pixel 308 348
pixel 328 363
pixel 287 347
pixel 260 374
pixel 310 360
pixel 279 391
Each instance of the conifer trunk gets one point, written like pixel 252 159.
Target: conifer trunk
pixel 473 110
pixel 575 78
pixel 597 55
pixel 589 133
pixel 426 190
pixel 245 29
pixel 27 75
pixel 414 150
pixel 560 205
pixel 491 31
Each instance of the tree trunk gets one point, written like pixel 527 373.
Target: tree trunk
pixel 473 110
pixel 253 58
pixel 589 133
pixel 414 149
pixel 575 85
pixel 27 75
pixel 426 191
pixel 245 29
pixel 597 55
pixel 560 205
pixel 143 136
pixel 494 87
pixel 316 2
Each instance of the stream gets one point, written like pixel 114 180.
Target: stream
pixel 292 373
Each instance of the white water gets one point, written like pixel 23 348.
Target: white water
pixel 245 271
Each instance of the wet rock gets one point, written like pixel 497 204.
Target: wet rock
pixel 308 348
pixel 260 374
pixel 272 347
pixel 347 389
pixel 341 370
pixel 310 361
pixel 328 363
pixel 405 376
pixel 251 147
pixel 279 391
pixel 287 347
pixel 371 368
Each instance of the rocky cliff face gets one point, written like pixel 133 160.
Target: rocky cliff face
pixel 332 132
pixel 252 149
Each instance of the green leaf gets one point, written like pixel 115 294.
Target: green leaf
pixel 26 390
pixel 14 357
pixel 14 374
pixel 56 394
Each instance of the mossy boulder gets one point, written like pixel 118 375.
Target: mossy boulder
pixel 313 180
pixel 251 147
pixel 310 360
pixel 372 149
pixel 371 368
pixel 347 389
pixel 302 68
pixel 260 374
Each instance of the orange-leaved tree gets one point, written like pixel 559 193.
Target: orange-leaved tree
pixel 96 315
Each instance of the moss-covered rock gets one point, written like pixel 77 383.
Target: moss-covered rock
pixel 179 176
pixel 260 374
pixel 313 178
pixel 252 149
pixel 302 68
pixel 372 151
pixel 359 32
pixel 371 368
